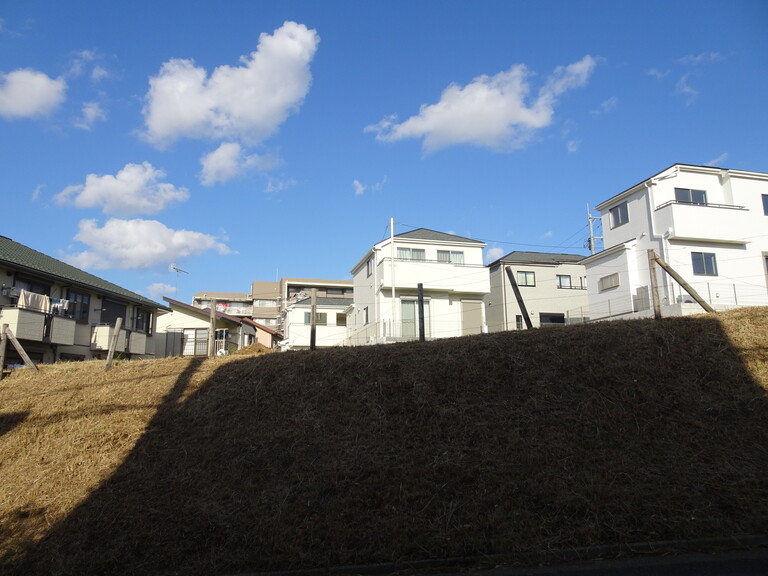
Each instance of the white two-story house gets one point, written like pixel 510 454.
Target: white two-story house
pixel 709 224
pixel 454 282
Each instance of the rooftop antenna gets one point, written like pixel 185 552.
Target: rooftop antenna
pixel 174 268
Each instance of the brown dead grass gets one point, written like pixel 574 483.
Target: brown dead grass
pixel 519 444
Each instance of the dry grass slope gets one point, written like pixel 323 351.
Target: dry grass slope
pixel 521 444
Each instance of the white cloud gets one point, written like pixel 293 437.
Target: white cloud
pixel 246 103
pixel 684 88
pixel 276 185
pixel 228 161
pixel 572 146
pixel 361 188
pixel 27 93
pixel 717 161
pixel 658 74
pixel 92 113
pixel 36 192
pixel 606 106
pixel 493 254
pixel 136 189
pixel 158 290
pixel 490 111
pixel 131 244
pixel 703 58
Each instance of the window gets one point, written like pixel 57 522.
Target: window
pixel 451 256
pixel 334 291
pixel 265 303
pixel 80 308
pixel 519 322
pixel 688 196
pixel 369 267
pixel 409 326
pixel 111 311
pixel 619 215
pixel 608 282
pixel 32 286
pixel 321 318
pixel 365 315
pixel 143 321
pixel 704 263
pixel 563 281
pixel 341 319
pixel 411 254
pixel 765 204
pixel 526 278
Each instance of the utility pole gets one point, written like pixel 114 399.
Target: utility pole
pixel 592 237
pixel 422 335
pixel 394 331
pixel 313 320
pixel 654 284
pixel 212 328
pixel 113 343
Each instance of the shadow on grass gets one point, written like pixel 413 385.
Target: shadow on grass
pixel 514 444
pixel 9 421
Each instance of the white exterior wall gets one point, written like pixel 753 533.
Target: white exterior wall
pixel 298 333
pixel 732 226
pixel 445 286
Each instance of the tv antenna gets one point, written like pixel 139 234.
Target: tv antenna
pixel 174 268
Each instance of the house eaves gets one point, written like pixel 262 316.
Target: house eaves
pixel 202 312
pixel 545 258
pixel 607 252
pixel 25 259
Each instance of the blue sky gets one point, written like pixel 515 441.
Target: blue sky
pixel 250 140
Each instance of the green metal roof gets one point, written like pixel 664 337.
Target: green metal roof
pixel 23 258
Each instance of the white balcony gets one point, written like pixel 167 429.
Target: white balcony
pixel 703 222
pixel 38 326
pixel 101 338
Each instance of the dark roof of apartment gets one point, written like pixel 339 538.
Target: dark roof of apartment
pixel 18 256
pixel 426 234
pixel 540 258
pixel 201 311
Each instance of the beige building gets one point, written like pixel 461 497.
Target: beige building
pixel 534 289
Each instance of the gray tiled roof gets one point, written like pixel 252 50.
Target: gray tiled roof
pixel 426 234
pixel 18 256
pixel 541 258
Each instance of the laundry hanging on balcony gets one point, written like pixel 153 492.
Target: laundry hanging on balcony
pixel 33 301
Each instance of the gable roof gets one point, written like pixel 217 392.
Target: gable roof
pixel 201 311
pixel 434 236
pixel 540 258
pixel 18 256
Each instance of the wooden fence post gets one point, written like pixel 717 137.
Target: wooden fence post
pixel 113 343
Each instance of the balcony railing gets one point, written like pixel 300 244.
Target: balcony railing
pixel 702 222
pixel 36 326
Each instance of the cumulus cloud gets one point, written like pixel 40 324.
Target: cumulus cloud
pixel 158 290
pixel 491 111
pixel 92 112
pixel 229 161
pixel 132 244
pixel 493 254
pixel 29 93
pixel 136 189
pixel 246 103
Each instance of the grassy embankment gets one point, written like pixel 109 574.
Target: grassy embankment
pixel 527 445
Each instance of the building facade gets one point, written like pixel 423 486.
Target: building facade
pixel 454 283
pixel 535 289
pixel 59 312
pixel 709 224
